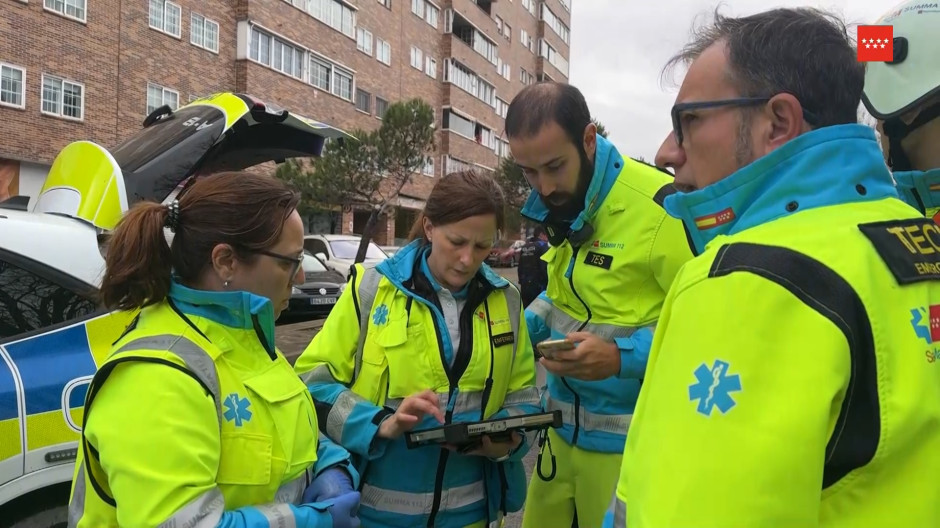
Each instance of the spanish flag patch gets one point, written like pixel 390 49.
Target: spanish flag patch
pixel 715 219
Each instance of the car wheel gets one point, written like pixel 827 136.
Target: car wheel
pixel 51 517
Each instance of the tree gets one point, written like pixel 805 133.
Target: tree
pixel 601 129
pixel 370 170
pixel 513 182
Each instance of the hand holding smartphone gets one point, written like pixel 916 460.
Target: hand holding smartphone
pixel 549 347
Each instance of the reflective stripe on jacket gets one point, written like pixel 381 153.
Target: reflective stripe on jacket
pixel 612 285
pixel 192 422
pixel 360 379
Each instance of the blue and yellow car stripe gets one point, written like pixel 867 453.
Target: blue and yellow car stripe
pixel 9 411
pixel 55 369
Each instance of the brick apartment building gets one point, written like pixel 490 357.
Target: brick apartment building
pixel 93 69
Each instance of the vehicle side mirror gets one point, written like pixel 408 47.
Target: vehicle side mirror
pixel 320 255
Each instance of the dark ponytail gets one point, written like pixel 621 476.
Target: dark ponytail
pixel 139 261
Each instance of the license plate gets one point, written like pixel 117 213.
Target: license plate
pixel 323 300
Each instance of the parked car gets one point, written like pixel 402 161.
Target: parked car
pixel 505 254
pixel 53 333
pixel 319 292
pixel 338 252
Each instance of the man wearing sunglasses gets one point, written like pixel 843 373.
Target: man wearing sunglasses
pixel 613 254
pixel 792 380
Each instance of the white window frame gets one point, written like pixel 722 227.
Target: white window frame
pixel 430 67
pixel 206 23
pixel 430 8
pixel 275 40
pixel 366 36
pixel 331 13
pixel 375 106
pixel 60 112
pixel 417 58
pixel 334 72
pixel 64 6
pixel 380 46
pixel 22 93
pixel 162 28
pixel 163 97
pixel 356 101
pixel 428 168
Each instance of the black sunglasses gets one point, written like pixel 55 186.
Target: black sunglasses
pixel 678 109
pixel 295 262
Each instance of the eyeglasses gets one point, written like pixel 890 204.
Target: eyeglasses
pixel 295 262
pixel 678 109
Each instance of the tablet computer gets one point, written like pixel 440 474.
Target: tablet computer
pixel 498 429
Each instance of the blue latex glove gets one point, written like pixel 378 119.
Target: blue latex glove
pixel 330 484
pixel 345 510
pixel 341 512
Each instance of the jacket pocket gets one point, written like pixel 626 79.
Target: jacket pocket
pixel 246 459
pixel 406 349
pixel 291 410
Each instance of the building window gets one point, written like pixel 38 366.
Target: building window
pixel 417 58
pixel 460 75
pixel 430 67
pixel 553 56
pixel 428 169
pixel 555 23
pixel 363 101
pixel 63 98
pixel 276 53
pixel 452 165
pixel 501 108
pixel 335 14
pixel 431 14
pixel 525 77
pixel 69 8
pixel 459 124
pixel 530 6
pixel 12 86
pixel 204 33
pixel 507 32
pixel 386 3
pixel 364 41
pixel 165 16
pixel 383 52
pixel 427 11
pixel 381 106
pixel 158 96
pixel 331 78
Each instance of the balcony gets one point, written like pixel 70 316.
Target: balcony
pixel 480 35
pixel 548 54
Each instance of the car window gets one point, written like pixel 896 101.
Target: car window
pixel 312 265
pixel 31 302
pixel 347 249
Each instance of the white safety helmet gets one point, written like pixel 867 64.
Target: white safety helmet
pixel 892 89
pixel 912 78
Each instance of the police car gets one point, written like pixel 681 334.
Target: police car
pixel 53 333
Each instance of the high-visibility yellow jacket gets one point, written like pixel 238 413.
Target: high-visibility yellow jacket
pixel 359 379
pixel 793 380
pixel 608 276
pixel 196 419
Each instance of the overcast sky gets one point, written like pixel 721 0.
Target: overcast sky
pixel 619 47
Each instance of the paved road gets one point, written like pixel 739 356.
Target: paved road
pixel 293 338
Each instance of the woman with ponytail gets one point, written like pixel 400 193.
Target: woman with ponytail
pixel 196 419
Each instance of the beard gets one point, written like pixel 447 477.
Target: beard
pixel 565 206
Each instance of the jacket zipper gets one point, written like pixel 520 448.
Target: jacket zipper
pixel 577 397
pixel 448 415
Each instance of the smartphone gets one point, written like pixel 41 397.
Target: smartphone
pixel 548 347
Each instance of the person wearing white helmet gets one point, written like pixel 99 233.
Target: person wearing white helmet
pixel 904 95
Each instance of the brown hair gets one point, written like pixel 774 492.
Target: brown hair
pixel 242 209
pixel 460 195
